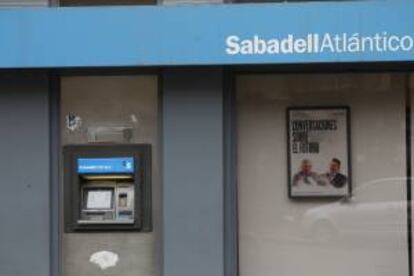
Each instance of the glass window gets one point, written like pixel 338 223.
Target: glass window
pixel 322 174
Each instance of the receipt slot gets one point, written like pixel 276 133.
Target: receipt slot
pixel 107 187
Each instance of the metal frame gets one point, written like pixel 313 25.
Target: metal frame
pixel 409 148
pixel 232 226
pixel 55 205
pixel 142 179
pixel 231 250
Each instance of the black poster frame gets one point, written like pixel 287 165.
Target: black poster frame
pixel 348 154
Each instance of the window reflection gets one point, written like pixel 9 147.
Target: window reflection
pixel 362 234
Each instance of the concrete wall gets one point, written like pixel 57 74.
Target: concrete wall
pixel 106 104
pixel 274 235
pixel 24 171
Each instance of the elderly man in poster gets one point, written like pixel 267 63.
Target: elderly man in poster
pixel 305 176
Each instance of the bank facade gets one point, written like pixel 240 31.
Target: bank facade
pixel 206 138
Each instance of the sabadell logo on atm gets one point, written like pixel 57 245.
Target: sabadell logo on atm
pixel 127 164
pixel 106 165
pixel 315 43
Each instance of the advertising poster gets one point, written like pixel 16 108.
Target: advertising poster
pixel 318 154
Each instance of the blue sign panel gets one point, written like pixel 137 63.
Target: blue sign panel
pixel 106 165
pixel 351 31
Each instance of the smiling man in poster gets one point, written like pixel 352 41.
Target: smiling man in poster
pixel 335 177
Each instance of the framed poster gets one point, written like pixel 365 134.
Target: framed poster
pixel 318 152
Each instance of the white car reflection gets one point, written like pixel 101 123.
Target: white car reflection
pixel 376 209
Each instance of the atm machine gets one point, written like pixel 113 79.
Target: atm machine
pixel 107 188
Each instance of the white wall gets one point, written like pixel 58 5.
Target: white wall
pixel 365 237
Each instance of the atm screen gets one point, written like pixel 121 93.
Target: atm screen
pixel 99 198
